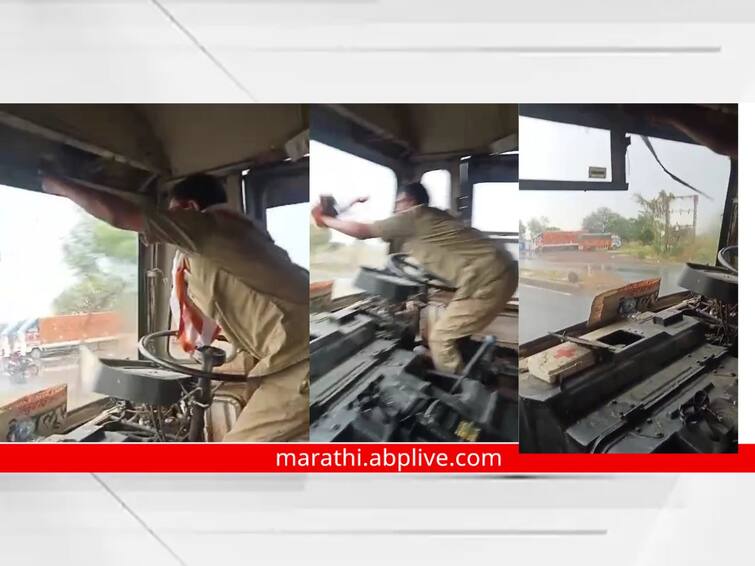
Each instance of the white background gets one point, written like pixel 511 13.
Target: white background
pixel 385 51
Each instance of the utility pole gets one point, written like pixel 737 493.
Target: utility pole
pixel 667 221
pixel 694 217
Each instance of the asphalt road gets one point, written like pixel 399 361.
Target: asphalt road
pixel 542 309
pixel 64 371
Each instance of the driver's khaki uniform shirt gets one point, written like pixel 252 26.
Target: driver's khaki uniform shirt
pixel 485 276
pixel 444 245
pixel 241 279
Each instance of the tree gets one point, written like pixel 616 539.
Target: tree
pixel 606 221
pixel 104 261
pixel 601 220
pixel 94 293
pixel 655 212
pixel 539 225
pixel 642 229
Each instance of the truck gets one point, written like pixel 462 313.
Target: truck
pixel 557 240
pixel 575 240
pixel 589 242
pixel 62 334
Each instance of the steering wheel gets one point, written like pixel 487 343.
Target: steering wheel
pixel 725 257
pixel 399 265
pixel 144 349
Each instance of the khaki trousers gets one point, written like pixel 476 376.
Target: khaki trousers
pixel 467 316
pixel 278 410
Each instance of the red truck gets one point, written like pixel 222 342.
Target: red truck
pixel 61 334
pixel 559 240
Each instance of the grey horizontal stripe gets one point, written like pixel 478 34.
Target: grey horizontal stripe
pixel 398 532
pixel 505 49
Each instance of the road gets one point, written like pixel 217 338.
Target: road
pixel 542 309
pixel 52 373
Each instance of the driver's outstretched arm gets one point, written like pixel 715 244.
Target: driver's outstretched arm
pixel 359 230
pixel 108 207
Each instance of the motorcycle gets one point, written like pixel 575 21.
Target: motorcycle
pixel 19 368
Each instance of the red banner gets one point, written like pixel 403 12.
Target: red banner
pixel 349 458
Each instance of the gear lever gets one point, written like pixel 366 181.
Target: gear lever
pixel 210 357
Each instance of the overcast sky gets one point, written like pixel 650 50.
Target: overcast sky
pixel 32 272
pixel 562 151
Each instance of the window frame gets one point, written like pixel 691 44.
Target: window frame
pixel 498 168
pixel 619 143
pixel 275 185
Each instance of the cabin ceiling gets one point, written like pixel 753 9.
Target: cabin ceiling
pixel 427 130
pixel 125 146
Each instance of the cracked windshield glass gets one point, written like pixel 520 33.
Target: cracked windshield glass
pixel 576 244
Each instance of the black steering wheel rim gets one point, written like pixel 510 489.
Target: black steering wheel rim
pixel 398 264
pixel 724 255
pixel 147 339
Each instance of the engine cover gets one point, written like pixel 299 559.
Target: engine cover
pixel 366 388
pixel 638 397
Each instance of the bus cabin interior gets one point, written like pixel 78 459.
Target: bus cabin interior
pixel 368 384
pixel 644 373
pixel 260 152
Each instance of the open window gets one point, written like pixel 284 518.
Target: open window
pixel 334 256
pixel 278 198
pixel 490 197
pixel 66 279
pixel 438 185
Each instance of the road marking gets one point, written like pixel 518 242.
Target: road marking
pixel 546 289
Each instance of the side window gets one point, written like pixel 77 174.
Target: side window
pixel 280 220
pixel 334 256
pixel 66 279
pixel 495 210
pixel 438 185
pixel 495 207
pixel 280 194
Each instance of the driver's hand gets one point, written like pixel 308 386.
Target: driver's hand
pixel 53 186
pixel 317 215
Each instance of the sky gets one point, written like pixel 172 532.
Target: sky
pixel 32 271
pixel 288 227
pixel 566 151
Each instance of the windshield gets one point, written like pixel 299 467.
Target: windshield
pixel 578 244
pixel 66 279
